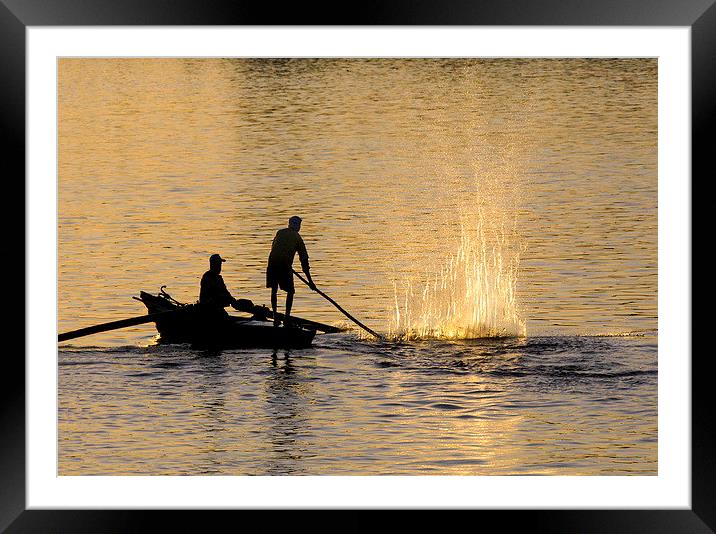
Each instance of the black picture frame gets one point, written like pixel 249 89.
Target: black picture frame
pixel 17 15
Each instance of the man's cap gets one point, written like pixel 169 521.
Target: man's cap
pixel 215 258
pixel 294 220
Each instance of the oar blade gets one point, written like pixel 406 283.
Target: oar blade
pixel 113 325
pixel 264 313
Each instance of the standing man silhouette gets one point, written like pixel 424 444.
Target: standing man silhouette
pixel 279 272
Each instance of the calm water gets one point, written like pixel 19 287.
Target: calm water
pixel 441 198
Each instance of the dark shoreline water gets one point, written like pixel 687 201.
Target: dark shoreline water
pixel 552 405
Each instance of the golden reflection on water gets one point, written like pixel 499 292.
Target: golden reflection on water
pixel 330 412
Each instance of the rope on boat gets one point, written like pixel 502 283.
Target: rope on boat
pixel 167 296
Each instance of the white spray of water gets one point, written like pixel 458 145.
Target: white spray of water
pixel 465 239
pixel 472 295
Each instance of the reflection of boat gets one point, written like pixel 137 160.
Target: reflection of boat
pixel 187 324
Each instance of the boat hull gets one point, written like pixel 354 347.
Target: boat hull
pixel 190 325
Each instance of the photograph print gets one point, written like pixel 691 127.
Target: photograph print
pixel 357 266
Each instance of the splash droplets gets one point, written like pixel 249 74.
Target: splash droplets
pixel 471 294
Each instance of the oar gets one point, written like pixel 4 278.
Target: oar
pixel 344 312
pixel 263 313
pixel 114 325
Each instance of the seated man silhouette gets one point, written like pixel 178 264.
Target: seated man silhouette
pixel 279 272
pixel 213 295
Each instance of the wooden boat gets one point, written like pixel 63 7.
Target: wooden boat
pixel 189 324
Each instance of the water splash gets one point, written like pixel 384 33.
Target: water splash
pixel 472 294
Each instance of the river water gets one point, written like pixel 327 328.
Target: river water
pixel 441 199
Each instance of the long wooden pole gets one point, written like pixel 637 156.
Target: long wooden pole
pixel 344 312
pixel 114 325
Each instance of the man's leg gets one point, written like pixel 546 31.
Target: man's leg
pixel 289 303
pixel 274 304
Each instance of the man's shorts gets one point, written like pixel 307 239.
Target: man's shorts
pixel 279 276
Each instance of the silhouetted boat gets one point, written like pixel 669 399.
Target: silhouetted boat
pixel 189 325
